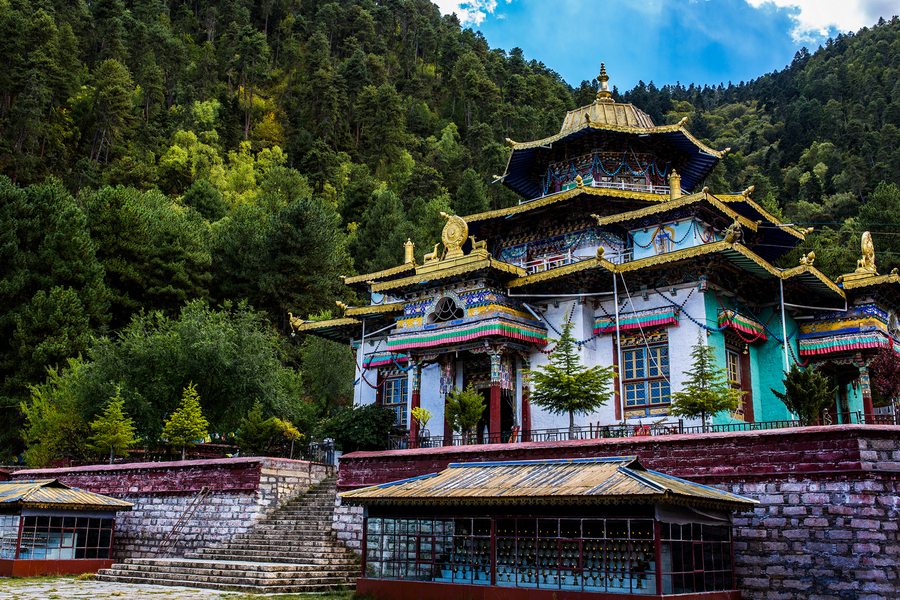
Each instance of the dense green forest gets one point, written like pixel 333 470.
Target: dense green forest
pixel 176 177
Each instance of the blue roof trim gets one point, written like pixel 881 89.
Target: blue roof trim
pixel 705 487
pixel 556 461
pixel 402 481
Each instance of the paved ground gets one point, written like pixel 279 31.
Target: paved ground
pixel 65 588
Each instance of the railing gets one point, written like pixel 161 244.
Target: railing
pixel 632 187
pixel 546 263
pixel 628 430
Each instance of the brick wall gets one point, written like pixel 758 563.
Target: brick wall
pixel 825 528
pixel 243 490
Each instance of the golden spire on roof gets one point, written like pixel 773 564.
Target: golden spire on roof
pixel 604 94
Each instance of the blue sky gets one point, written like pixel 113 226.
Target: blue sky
pixel 664 41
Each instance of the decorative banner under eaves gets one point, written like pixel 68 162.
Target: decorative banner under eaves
pixel 381 359
pixel 638 320
pixel 465 332
pixel 845 343
pixel 741 323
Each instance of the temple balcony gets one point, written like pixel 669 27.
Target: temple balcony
pixel 615 183
pixel 545 263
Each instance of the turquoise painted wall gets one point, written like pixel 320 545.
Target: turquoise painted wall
pixel 766 361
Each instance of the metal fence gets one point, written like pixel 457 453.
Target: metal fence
pixel 628 430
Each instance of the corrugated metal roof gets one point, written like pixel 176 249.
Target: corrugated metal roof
pixel 613 480
pixel 50 493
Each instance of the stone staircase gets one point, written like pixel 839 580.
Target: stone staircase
pixel 292 551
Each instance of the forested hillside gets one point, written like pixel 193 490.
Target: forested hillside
pixel 176 156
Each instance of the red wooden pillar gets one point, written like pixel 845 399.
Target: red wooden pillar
pixel 526 404
pixel 868 409
pixel 494 425
pixel 414 402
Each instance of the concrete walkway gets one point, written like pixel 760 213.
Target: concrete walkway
pixel 67 588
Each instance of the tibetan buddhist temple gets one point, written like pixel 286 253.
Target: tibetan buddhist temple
pixel 615 234
pixel 600 525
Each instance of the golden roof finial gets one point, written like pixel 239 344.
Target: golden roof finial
pixel 604 94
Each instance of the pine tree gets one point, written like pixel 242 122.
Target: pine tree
pixel 255 433
pixel 806 394
pixel 187 424
pixel 470 197
pixel 113 430
pixel 707 390
pixel 566 386
pixel 463 409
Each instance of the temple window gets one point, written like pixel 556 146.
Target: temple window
pixel 646 373
pixel 662 240
pixel 733 369
pixel 445 310
pixel 395 395
pixel 55 538
pixel 695 558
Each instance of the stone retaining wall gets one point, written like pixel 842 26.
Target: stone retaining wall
pixel 825 528
pixel 242 491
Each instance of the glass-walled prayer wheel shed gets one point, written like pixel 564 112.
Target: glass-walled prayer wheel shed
pixel 592 528
pixel 48 528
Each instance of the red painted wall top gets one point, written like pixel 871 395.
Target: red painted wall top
pixel 802 451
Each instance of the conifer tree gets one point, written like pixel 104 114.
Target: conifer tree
pixel 806 394
pixel 567 386
pixel 113 430
pixel 707 390
pixel 254 434
pixel 187 424
pixel 470 197
pixel 463 409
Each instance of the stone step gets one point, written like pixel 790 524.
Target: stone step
pixel 313 547
pixel 277 556
pixel 226 568
pixel 274 588
pixel 292 551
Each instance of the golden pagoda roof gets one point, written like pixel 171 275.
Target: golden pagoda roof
pixel 598 114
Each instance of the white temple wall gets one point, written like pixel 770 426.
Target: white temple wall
pixel 601 352
pixel 431 398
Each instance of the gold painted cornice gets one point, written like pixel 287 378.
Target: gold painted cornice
pixel 380 274
pixel 313 325
pixel 565 195
pixel 375 309
pixel 741 198
pixel 674 204
pixel 450 272
pixel 803 269
pixel 678 127
pixel 864 282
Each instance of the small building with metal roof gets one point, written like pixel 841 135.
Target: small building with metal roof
pixel 47 527
pixel 589 528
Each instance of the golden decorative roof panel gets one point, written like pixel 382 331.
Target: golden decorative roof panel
pixel 50 493
pixel 380 274
pixel 678 203
pixel 437 275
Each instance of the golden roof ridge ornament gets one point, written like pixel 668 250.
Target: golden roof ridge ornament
pixel 866 264
pixel 603 94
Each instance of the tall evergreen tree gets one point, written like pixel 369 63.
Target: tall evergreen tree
pixel 113 431
pixel 470 197
pixel 706 391
pixel 806 394
pixel 567 386
pixel 187 424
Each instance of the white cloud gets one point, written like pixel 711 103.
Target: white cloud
pixel 470 12
pixel 814 19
